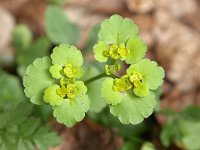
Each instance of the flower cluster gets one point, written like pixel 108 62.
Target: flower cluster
pixel 119 42
pixel 57 84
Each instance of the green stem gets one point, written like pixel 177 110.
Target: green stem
pixel 95 78
pixel 99 77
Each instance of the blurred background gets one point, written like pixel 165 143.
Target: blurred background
pixel 171 29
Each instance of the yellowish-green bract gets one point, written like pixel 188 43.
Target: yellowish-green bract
pixel 56 80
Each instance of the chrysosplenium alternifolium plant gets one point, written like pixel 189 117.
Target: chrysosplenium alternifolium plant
pixel 57 80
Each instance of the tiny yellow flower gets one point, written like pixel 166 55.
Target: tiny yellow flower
pixel 69 71
pixel 136 79
pixel 109 69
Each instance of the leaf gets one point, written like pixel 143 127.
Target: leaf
pixel 22 132
pixel 44 112
pixel 58 28
pixel 158 92
pixel 51 97
pixel 81 88
pixel 97 101
pixel 117 30
pixel 137 50
pixel 72 110
pixel 151 73
pixel 37 49
pixel 9 142
pixel 111 97
pixel 19 113
pixel 98 51
pixel 11 92
pixel 130 145
pixel 170 132
pixel 134 109
pixel 28 127
pixel 191 113
pixel 65 53
pixel 22 37
pixel 191 137
pixel 55 71
pixel 44 138
pixel 37 79
pixel 92 39
pixel 24 144
pixel 142 90
pixel 148 146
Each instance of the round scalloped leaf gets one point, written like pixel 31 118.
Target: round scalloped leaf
pixel 66 54
pixel 58 27
pixel 142 90
pixel 98 51
pixel 93 88
pixel 37 79
pixel 134 109
pixel 79 72
pixel 152 74
pixel 137 50
pixel 111 97
pixel 22 37
pixel 72 110
pixel 117 30
pixel 82 89
pixel 55 71
pixel 51 97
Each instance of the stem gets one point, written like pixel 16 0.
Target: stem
pixel 95 78
pixel 99 77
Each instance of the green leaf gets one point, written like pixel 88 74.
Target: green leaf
pixel 142 90
pixel 58 28
pixel 191 132
pixel 37 79
pixel 11 92
pixel 37 49
pixel 97 101
pixel 19 113
pixel 24 144
pixel 151 73
pixel 44 138
pixel 92 39
pixel 22 132
pixel 81 88
pixel 28 127
pixel 111 97
pixel 170 132
pixel 98 51
pixel 158 92
pixel 191 113
pixel 134 109
pixel 22 37
pixel 44 112
pixel 117 30
pixel 137 50
pixel 9 142
pixel 66 54
pixel 72 110
pixel 148 146
pixel 55 71
pixel 130 145
pixel 51 97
